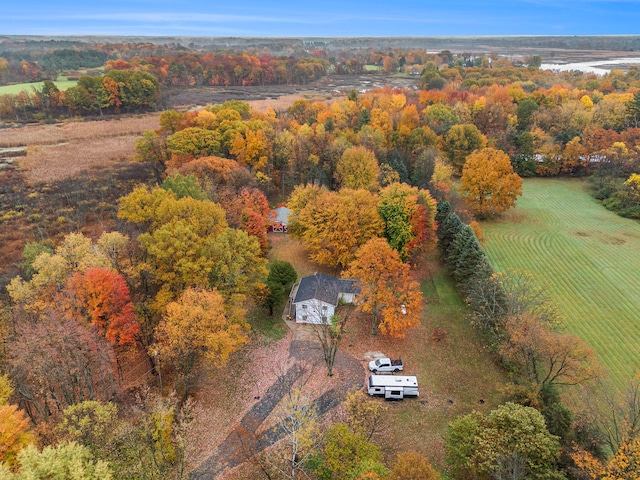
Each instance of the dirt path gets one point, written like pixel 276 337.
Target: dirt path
pixel 245 440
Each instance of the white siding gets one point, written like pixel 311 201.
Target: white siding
pixel 347 297
pixel 313 311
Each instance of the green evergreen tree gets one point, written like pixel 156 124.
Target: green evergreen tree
pixel 281 277
pixel 465 255
pixel 447 231
pixel 633 111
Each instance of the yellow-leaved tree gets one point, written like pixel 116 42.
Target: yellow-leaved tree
pixel 460 141
pixel 358 169
pixel 197 327
pixel 187 243
pixel 488 183
pixel 625 463
pixel 413 466
pixel 333 225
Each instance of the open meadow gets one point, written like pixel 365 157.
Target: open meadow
pixel 68 178
pixel 589 260
pixel 64 150
pixel 62 84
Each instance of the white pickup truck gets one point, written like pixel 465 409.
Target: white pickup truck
pixel 385 364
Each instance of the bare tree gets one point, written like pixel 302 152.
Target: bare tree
pixel 57 362
pixel 511 293
pixel 621 422
pixel 329 333
pixel 511 467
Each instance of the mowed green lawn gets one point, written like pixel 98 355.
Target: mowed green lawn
pixel 29 87
pixel 588 257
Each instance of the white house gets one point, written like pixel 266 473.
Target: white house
pixel 315 298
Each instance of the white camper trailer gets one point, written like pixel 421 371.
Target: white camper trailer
pixel 393 387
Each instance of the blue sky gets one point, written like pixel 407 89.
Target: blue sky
pixel 319 18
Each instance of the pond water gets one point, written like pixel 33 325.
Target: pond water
pixel 599 67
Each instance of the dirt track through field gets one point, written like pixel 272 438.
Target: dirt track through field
pixel 245 441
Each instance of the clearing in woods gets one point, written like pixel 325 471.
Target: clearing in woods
pixel 455 372
pixel 63 83
pixel 589 260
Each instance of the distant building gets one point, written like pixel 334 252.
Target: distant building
pixel 315 298
pixel 279 220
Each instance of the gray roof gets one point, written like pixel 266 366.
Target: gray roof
pixel 323 287
pixel 282 215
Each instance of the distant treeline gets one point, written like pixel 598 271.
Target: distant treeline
pixel 197 69
pixel 174 66
pixel 46 66
pixel 332 45
pixel 24 67
pixel 116 92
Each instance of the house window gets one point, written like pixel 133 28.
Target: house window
pixel 324 307
pixel 324 319
pixel 304 306
pixel 304 317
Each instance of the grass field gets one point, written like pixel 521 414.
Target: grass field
pixel 588 257
pixel 57 152
pixel 62 84
pixel 456 374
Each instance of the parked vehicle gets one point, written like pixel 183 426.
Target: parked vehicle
pixel 385 364
pixel 393 387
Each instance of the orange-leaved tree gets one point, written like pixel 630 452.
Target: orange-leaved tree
pixel 14 434
pixel 14 425
pixel 248 210
pixel 489 183
pixel 387 290
pixel 102 298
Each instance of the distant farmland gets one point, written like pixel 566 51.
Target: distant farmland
pixel 30 87
pixel 589 259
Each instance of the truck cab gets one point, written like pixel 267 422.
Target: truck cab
pixel 385 364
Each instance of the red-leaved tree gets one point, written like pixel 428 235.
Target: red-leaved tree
pixel 102 298
pixel 248 210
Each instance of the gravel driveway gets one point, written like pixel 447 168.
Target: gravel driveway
pixel 243 440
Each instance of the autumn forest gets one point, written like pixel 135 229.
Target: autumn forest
pixel 141 302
